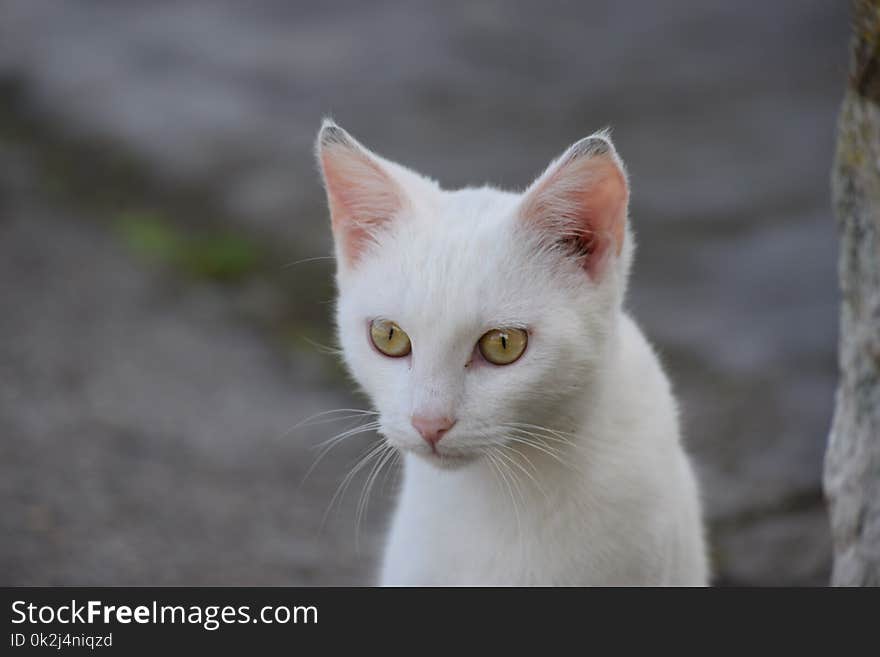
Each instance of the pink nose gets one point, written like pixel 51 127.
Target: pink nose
pixel 432 428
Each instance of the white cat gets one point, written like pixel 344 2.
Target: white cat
pixel 539 432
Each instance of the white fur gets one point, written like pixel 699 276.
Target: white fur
pixel 604 494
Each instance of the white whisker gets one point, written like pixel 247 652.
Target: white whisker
pixel 364 501
pixel 327 445
pixel 288 265
pixel 346 481
pixel 522 468
pixel 353 412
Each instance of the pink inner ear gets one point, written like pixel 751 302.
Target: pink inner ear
pixel 582 203
pixel 607 197
pixel 361 195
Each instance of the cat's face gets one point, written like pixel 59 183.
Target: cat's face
pixel 472 317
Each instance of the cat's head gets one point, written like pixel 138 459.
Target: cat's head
pixel 470 316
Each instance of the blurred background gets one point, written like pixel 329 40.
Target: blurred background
pixel 158 349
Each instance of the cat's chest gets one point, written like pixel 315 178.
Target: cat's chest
pixel 443 555
pixel 489 541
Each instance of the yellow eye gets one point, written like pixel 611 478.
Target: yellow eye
pixel 503 346
pixel 389 338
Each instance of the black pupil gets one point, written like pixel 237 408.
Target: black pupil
pixel 390 333
pixel 504 341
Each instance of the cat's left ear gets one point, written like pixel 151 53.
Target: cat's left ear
pixel 580 203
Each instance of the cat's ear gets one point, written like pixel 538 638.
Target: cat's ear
pixel 580 203
pixel 362 192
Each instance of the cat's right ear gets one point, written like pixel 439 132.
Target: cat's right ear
pixel 362 194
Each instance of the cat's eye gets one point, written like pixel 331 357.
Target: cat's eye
pixel 503 346
pixel 389 338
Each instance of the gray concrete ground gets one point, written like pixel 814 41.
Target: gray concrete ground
pixel 146 431
pixel 144 413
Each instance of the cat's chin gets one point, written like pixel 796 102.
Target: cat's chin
pixel 446 461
